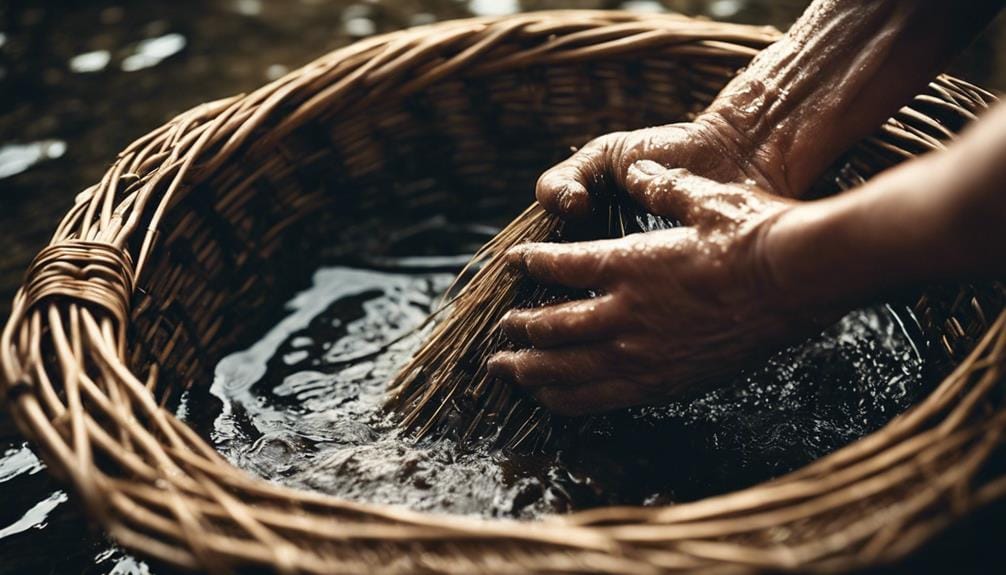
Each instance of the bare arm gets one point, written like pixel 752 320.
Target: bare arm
pixel 840 70
pixel 940 217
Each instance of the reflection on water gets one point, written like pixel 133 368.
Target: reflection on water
pixel 35 517
pixel 90 61
pixel 79 81
pixel 151 51
pixel 16 158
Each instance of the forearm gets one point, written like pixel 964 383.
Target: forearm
pixel 841 69
pixel 940 217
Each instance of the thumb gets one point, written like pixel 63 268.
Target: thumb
pixel 565 189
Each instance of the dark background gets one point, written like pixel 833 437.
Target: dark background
pixel 80 80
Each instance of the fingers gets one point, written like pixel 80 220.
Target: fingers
pixel 562 367
pixel 580 321
pixel 580 265
pixel 679 194
pixel 565 188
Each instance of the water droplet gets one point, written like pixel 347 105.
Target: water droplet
pixel 90 61
pixel 3 39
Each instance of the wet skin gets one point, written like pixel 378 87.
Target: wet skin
pixel 752 269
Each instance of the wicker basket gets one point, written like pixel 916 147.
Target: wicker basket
pixel 155 271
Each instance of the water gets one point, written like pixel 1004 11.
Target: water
pixel 69 102
pixel 303 406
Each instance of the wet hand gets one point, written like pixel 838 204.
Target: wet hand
pixel 710 147
pixel 678 309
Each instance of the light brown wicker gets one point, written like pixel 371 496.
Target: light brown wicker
pixel 155 271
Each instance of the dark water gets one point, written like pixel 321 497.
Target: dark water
pixel 80 80
pixel 302 406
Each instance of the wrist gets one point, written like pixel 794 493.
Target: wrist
pixel 757 159
pixel 829 81
pixel 832 254
pixel 897 230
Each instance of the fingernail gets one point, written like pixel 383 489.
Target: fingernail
pixel 515 256
pixel 648 167
pixel 494 368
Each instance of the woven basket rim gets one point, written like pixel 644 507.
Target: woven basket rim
pixel 178 501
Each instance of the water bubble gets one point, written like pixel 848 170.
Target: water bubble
pixel 90 61
pixel 152 51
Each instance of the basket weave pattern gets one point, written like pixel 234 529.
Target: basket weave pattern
pixel 153 270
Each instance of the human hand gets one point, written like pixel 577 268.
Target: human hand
pixel 709 146
pixel 679 309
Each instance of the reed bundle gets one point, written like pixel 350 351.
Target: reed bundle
pixel 444 389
